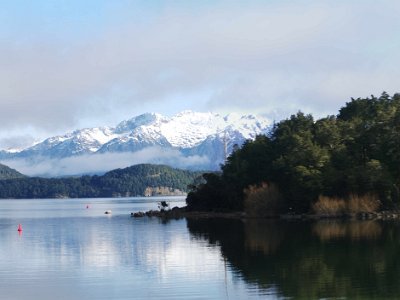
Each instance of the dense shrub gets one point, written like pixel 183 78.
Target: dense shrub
pixel 329 206
pixel 367 203
pixel 354 204
pixel 262 200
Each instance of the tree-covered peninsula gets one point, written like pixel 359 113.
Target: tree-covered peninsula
pixel 138 180
pixel 339 164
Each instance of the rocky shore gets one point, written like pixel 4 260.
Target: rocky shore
pixel 182 212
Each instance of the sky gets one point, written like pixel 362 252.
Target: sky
pixel 72 64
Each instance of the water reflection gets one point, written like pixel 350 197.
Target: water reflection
pixel 310 260
pixel 353 230
pixel 262 235
pixel 69 252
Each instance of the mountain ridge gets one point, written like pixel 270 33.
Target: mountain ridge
pixel 136 180
pixel 187 132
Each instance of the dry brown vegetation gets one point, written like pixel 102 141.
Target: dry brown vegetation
pixel 329 206
pixel 354 204
pixel 262 200
pixel 367 204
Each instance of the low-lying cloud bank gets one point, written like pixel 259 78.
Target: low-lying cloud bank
pixel 100 163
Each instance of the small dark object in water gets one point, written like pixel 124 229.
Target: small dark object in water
pixel 163 205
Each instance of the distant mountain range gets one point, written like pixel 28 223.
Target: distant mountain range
pixel 206 136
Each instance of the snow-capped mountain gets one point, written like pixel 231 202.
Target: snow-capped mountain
pixel 192 134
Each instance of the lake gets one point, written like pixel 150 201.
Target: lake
pixel 68 251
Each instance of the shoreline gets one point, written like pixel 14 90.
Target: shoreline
pixel 181 212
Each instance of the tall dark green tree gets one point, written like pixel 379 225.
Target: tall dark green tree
pixel 355 152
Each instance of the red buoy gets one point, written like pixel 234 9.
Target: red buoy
pixel 19 227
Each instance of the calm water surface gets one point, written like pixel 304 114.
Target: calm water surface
pixel 69 252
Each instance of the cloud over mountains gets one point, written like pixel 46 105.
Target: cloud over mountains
pixel 188 140
pixel 62 69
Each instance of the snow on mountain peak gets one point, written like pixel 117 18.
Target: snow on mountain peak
pixel 187 129
pixel 141 120
pixel 194 134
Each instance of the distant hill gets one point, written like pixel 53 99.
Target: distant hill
pixel 138 180
pixel 8 173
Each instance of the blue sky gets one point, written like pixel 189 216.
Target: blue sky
pixel 72 64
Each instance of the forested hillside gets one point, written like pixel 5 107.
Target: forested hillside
pixel 354 155
pixel 8 173
pixel 131 181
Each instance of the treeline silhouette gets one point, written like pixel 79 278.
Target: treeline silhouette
pixel 356 152
pixel 131 181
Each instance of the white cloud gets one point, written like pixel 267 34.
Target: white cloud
pixel 99 163
pixel 271 58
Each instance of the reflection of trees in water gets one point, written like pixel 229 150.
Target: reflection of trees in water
pixel 310 259
pixel 353 230
pixel 262 235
